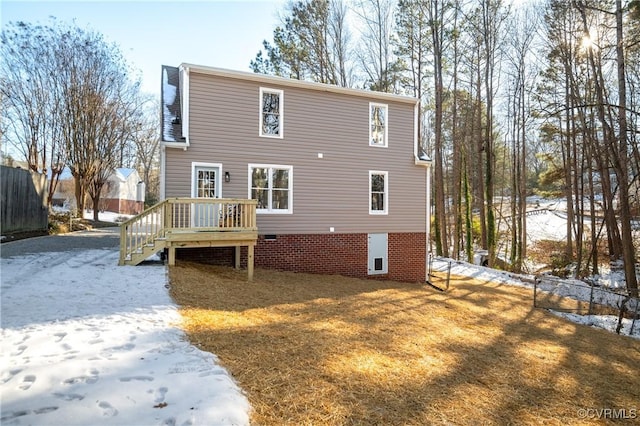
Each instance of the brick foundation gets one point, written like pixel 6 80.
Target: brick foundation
pixel 408 257
pixel 341 254
pixel 121 206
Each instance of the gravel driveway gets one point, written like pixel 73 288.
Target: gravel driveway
pixel 100 238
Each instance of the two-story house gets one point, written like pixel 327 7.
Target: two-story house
pixel 339 184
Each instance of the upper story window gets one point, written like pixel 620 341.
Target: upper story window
pixel 272 186
pixel 271 104
pixel 378 115
pixel 378 192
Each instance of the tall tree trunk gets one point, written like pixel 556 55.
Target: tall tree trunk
pixel 622 163
pixel 468 217
pixel 522 253
pixel 436 23
pixel 569 141
pixel 481 152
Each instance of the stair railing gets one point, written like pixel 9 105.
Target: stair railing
pixel 184 215
pixel 142 230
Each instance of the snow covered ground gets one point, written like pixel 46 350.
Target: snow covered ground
pixel 85 341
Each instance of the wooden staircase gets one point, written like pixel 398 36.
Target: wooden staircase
pixel 190 222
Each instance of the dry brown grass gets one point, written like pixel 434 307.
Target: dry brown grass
pixel 328 350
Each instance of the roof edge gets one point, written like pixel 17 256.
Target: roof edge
pixel 322 87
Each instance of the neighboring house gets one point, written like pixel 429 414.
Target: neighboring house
pixel 123 192
pixel 65 191
pixel 340 185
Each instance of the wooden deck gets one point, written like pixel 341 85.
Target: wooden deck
pixel 190 222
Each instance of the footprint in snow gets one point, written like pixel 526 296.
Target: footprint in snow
pixel 45 410
pixel 8 375
pixel 13 414
pixel 107 409
pixel 90 379
pixel 68 396
pixel 109 352
pixel 160 394
pixel 60 336
pixel 20 350
pixel 24 339
pixel 125 347
pixel 27 382
pixel 137 378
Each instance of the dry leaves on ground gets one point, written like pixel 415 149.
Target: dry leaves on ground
pixel 330 350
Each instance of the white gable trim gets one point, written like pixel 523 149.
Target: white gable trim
pixel 281 81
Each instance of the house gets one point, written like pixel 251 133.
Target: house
pixel 339 183
pixel 124 192
pixel 65 188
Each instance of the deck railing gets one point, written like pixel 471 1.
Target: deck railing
pixel 185 215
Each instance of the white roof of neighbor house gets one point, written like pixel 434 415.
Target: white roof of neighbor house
pixel 124 173
pixel 270 79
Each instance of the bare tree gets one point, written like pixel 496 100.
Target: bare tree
pixel 27 64
pixel 99 105
pixel 375 53
pixel 313 43
pixel 617 148
pixel 411 43
pixel 147 143
pixel 69 101
pixel 524 26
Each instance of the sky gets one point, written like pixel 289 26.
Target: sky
pixel 217 33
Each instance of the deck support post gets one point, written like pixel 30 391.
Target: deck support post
pixel 237 260
pixel 172 256
pixel 250 262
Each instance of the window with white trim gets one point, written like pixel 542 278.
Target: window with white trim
pixel 272 187
pixel 271 109
pixel 378 125
pixel 378 192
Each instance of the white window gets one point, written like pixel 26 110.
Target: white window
pixel 272 187
pixel 271 112
pixel 378 192
pixel 378 115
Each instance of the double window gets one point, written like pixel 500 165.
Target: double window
pixel 271 109
pixel 272 187
pixel 378 192
pixel 378 125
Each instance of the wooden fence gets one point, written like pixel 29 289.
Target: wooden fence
pixel 23 201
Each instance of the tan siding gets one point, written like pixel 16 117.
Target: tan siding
pixel 327 192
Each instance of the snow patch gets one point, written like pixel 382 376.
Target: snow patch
pixel 168 98
pixel 85 341
pixel 601 293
